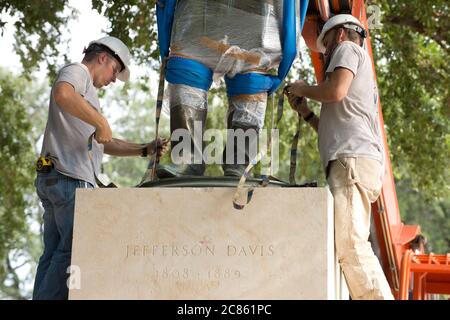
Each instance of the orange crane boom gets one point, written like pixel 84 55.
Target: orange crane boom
pixel 393 236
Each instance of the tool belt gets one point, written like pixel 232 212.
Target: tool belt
pixel 44 165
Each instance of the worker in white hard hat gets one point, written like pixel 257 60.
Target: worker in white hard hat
pixel 350 146
pixel 75 138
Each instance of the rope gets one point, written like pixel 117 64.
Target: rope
pixel 159 102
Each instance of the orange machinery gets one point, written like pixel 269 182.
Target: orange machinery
pixel 431 273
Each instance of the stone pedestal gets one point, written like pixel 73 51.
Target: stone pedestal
pixel 190 243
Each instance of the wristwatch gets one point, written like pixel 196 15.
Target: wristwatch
pixel 309 116
pixel 144 151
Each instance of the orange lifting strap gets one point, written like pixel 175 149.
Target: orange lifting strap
pixel 431 274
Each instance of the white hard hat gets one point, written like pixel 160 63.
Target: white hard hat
pixel 119 50
pixel 347 20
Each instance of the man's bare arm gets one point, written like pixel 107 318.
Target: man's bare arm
pixel 73 103
pixel 334 89
pixel 123 148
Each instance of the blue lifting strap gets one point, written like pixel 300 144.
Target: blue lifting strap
pixel 190 72
pixel 165 10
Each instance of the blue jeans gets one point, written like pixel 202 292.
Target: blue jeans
pixel 57 194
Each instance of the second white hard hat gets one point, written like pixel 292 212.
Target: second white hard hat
pixel 121 51
pixel 340 19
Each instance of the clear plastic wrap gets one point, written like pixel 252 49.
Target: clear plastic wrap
pixel 180 94
pixel 229 36
pixel 248 110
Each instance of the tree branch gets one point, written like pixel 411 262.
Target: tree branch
pixel 14 289
pixel 418 27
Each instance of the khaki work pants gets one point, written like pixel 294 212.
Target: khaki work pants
pixel 355 183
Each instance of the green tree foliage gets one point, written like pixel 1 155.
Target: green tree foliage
pixel 38 30
pixel 412 54
pixel 136 124
pixel 433 217
pixel 18 207
pixel 134 23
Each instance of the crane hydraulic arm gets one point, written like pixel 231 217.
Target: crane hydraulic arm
pixel 393 239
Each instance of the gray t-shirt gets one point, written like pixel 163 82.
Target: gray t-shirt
pixel 351 127
pixel 66 137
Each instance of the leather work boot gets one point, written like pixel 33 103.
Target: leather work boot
pixel 243 140
pixel 188 119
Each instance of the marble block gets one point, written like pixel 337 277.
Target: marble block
pixel 190 243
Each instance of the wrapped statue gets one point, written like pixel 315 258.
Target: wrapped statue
pixel 251 43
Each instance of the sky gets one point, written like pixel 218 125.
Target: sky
pixel 89 25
